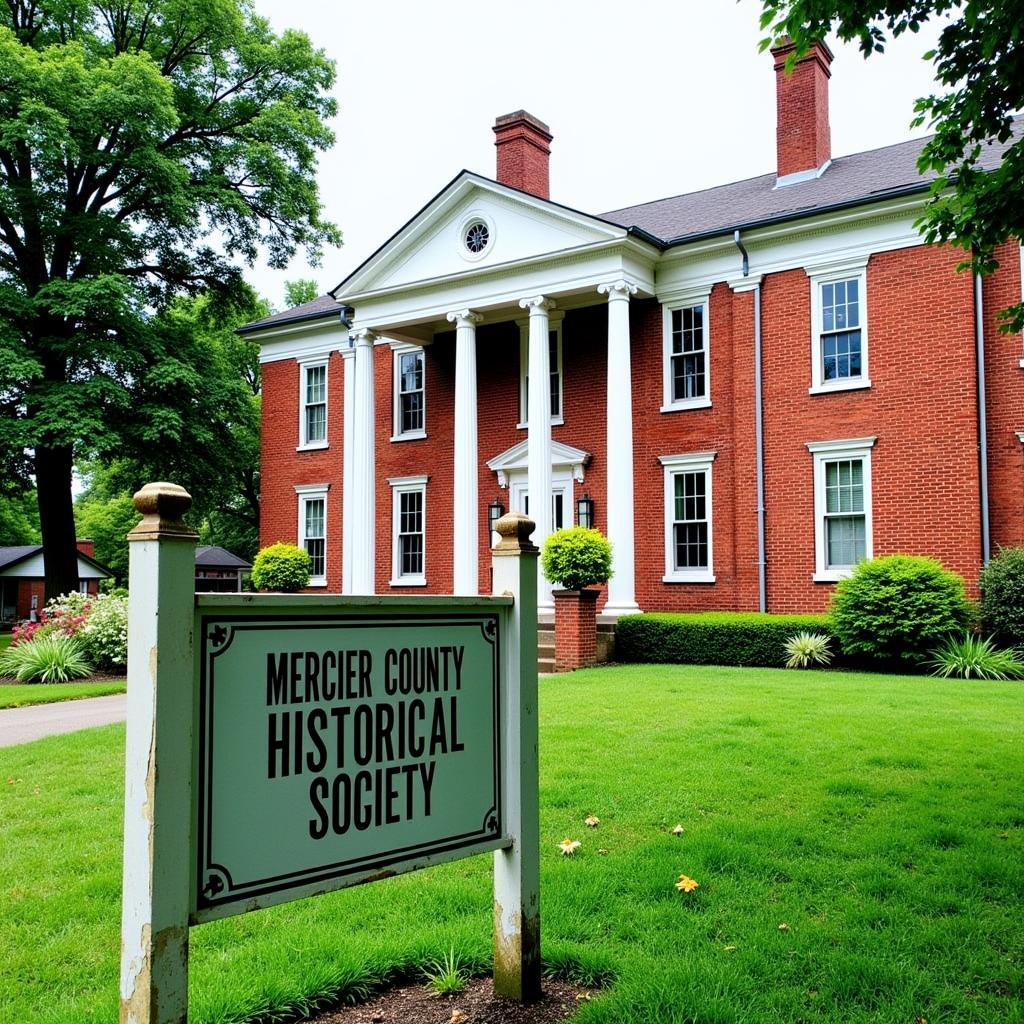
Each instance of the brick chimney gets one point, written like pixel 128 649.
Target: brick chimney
pixel 86 547
pixel 524 151
pixel 802 139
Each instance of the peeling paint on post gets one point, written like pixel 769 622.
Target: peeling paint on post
pixel 517 966
pixel 158 759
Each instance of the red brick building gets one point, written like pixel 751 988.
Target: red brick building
pixel 22 586
pixel 748 388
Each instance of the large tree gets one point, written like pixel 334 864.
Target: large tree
pixel 146 148
pixel 979 63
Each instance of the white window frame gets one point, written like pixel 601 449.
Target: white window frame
pixel 397 433
pixel 848 270
pixel 305 445
pixel 691 301
pixel 554 327
pixel 307 493
pixel 824 452
pixel 399 486
pixel 693 462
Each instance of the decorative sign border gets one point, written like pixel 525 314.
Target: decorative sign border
pixel 214 884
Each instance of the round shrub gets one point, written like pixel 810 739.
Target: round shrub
pixel 1002 597
pixel 284 567
pixel 896 610
pixel 576 558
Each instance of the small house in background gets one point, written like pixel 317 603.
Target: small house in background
pixel 22 578
pixel 218 571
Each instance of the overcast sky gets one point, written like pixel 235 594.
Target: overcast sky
pixel 645 99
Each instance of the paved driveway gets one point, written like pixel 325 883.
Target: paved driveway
pixel 21 725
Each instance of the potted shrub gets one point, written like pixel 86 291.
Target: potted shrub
pixel 576 560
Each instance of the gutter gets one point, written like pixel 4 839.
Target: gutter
pixel 979 349
pixel 762 561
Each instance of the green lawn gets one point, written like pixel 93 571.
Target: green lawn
pixel 20 695
pixel 880 818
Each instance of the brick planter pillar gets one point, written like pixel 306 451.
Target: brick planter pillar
pixel 575 629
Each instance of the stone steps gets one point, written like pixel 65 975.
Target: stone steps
pixel 546 644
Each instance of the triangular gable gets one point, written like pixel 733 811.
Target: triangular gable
pixel 563 456
pixel 432 244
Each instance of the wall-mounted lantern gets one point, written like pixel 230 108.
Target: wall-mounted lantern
pixel 494 512
pixel 585 511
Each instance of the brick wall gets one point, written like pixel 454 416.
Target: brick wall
pixel 921 407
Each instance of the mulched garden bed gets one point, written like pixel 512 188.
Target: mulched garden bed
pixel 477 1004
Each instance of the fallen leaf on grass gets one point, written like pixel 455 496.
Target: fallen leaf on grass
pixel 678 830
pixel 582 997
pixel 920 1020
pixel 730 949
pixel 569 847
pixel 687 884
pixel 592 821
pixel 602 851
pixel 783 927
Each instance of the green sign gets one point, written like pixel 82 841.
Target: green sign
pixel 336 748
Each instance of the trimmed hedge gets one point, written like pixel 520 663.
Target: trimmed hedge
pixel 749 639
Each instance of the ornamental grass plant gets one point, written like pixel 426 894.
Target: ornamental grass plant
pixel 975 657
pixel 52 658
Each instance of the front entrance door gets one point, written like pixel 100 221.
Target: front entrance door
pixel 561 498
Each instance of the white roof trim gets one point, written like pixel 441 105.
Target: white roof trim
pixel 563 456
pixel 357 283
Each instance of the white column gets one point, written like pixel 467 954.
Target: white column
pixel 348 510
pixel 621 587
pixel 363 527
pixel 538 411
pixel 466 514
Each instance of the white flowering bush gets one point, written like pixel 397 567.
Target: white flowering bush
pixel 104 634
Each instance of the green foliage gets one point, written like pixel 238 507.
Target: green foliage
pixel 710 638
pixel 978 68
pixel 283 567
pixel 577 557
pixel 300 291
pixel 807 649
pixel 106 518
pixel 897 609
pixel 19 518
pixel 145 151
pixel 1002 597
pixel 104 634
pixel 50 658
pixel 446 976
pixel 975 657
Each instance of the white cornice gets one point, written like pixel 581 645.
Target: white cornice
pixel 745 284
pixel 839 446
pixel 563 456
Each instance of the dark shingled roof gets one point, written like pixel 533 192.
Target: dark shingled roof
pixel 322 306
pixel 848 181
pixel 219 558
pixel 854 180
pixel 9 556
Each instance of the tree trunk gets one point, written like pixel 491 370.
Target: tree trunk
pixel 57 519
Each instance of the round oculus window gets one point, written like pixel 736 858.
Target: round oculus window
pixel 477 237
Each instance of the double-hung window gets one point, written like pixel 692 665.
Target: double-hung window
pixel 313 405
pixel 554 373
pixel 688 518
pixel 410 394
pixel 409 531
pixel 842 505
pixel 839 329
pixel 312 529
pixel 685 355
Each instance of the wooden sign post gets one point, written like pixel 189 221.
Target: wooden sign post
pixel 380 735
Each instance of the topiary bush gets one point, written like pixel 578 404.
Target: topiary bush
pixel 896 610
pixel 1002 597
pixel 284 567
pixel 748 639
pixel 576 558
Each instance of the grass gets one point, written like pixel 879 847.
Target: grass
pixel 5 642
pixel 878 817
pixel 21 695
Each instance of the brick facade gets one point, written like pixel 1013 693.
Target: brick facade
pixel 921 407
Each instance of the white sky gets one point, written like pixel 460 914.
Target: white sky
pixel 645 100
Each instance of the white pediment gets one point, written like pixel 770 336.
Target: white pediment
pixel 518 227
pixel 515 459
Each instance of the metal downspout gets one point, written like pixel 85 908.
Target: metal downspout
pixel 762 561
pixel 979 347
